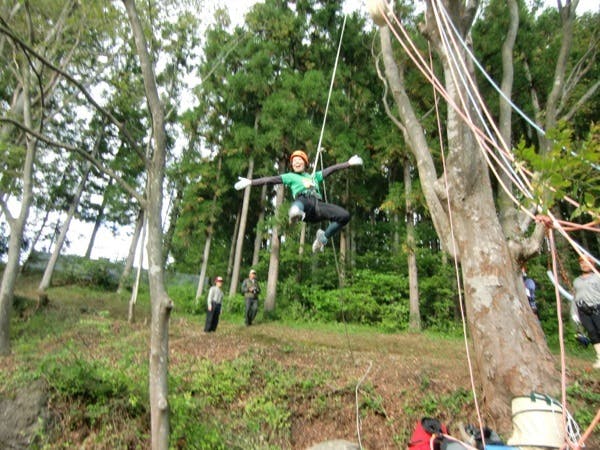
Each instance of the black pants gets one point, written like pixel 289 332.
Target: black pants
pixel 251 310
pixel 212 317
pixel 590 320
pixel 317 211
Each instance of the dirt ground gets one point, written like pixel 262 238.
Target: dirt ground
pixel 400 377
pixel 396 372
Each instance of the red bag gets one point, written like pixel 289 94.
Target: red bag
pixel 424 430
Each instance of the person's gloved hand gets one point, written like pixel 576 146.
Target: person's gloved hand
pixel 576 319
pixel 355 161
pixel 242 183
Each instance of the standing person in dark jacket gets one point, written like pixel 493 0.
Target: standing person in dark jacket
pixel 214 301
pixel 308 204
pixel 251 289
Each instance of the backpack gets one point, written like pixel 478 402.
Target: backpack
pixel 424 430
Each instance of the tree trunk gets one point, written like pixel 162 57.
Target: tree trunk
pixel 205 255
pixel 508 212
pixel 17 226
pixel 233 242
pixel 209 233
pixel 35 240
pixel 161 304
pixel 414 320
pixel 98 222
pixel 49 271
pixel 139 223
pixel 239 246
pixel 138 276
pixel 511 354
pixel 259 223
pixel 173 217
pixel 274 257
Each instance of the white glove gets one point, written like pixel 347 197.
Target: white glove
pixel 242 183
pixel 355 161
pixel 576 319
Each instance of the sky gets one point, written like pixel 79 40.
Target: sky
pixel 116 248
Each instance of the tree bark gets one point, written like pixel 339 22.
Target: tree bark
pixel 161 304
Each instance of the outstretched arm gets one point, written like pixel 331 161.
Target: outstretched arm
pixel 353 161
pixel 243 183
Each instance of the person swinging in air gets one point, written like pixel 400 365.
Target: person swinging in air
pixel 308 204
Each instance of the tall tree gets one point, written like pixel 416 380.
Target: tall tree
pixel 161 303
pixel 510 350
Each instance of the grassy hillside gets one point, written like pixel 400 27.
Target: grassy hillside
pixel 274 385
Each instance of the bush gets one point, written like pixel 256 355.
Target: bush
pixel 184 296
pixel 84 272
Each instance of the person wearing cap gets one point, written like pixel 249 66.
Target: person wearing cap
pixel 250 289
pixel 214 301
pixel 308 204
pixel 587 301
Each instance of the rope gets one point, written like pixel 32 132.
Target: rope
pixel 319 159
pixel 337 57
pixel 357 405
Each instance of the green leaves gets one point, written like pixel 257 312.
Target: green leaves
pixel 570 169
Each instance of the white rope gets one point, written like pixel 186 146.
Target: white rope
pixel 337 57
pixel 358 427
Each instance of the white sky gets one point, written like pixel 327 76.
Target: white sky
pixel 116 247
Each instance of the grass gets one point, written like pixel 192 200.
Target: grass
pixel 275 385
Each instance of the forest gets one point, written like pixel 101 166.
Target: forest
pixel 476 123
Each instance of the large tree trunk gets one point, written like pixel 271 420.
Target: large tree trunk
pixel 160 301
pixel 511 354
pixel 274 257
pixel 17 227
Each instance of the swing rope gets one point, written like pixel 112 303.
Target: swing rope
pixel 319 161
pixel 337 58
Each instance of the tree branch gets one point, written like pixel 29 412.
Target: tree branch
pixel 4 28
pixel 81 153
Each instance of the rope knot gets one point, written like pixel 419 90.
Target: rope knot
pixel 545 220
